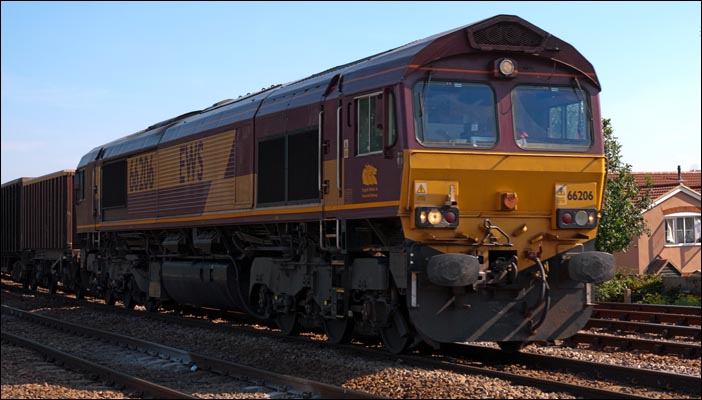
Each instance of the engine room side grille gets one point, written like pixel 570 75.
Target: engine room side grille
pixel 507 35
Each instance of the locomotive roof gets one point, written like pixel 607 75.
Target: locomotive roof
pixel 394 65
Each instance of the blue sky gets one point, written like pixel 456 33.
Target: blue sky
pixel 79 74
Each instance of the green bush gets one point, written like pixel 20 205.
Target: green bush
pixel 687 300
pixel 646 289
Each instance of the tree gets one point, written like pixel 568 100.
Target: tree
pixel 624 202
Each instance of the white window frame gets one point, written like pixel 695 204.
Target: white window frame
pixel 671 227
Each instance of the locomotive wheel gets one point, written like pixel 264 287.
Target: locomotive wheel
pixel 151 304
pixel 288 324
pixel 339 331
pixel 110 298
pixel 511 347
pixel 53 283
pixel 129 300
pixel 396 336
pixel 80 291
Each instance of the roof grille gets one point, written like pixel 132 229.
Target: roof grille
pixel 506 35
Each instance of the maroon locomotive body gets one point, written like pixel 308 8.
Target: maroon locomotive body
pixel 390 196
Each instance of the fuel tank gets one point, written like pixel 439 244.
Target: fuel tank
pixel 202 284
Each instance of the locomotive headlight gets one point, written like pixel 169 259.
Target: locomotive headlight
pixel 435 217
pixel 581 218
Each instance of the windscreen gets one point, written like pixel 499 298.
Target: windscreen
pixel 551 118
pixel 454 114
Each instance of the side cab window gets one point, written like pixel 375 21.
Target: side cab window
pixel 376 118
pixel 79 186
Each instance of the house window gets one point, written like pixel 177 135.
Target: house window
pixel 682 228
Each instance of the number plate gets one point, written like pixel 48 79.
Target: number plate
pixel 576 195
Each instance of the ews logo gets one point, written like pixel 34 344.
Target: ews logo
pixel 192 166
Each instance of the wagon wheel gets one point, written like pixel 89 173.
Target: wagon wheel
pixel 288 323
pixel 511 347
pixel 30 280
pixel 339 331
pixel 17 271
pixel 396 336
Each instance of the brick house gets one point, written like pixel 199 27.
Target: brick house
pixel 673 248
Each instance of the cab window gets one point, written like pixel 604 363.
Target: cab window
pixel 370 136
pixel 455 114
pixel 551 118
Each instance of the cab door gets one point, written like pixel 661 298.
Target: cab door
pixel 371 172
pixel 331 151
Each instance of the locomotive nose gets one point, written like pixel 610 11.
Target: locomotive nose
pixel 453 269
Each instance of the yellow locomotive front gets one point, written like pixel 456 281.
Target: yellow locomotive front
pixel 503 182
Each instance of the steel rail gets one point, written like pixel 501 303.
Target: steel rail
pixel 647 316
pixel 654 346
pixel 627 375
pixel 273 380
pixel 656 308
pixel 665 330
pixel 91 368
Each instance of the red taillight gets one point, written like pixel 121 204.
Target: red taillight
pixel 566 218
pixel 450 217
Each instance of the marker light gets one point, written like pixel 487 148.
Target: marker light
pixel 566 218
pixel 450 217
pixel 505 68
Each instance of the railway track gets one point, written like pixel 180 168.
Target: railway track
pixel 471 355
pixel 655 308
pixel 601 341
pixel 663 321
pixel 151 360
pixel 663 330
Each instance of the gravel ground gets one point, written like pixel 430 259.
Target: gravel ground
pixel 25 375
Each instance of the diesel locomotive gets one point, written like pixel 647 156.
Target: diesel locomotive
pixel 447 190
